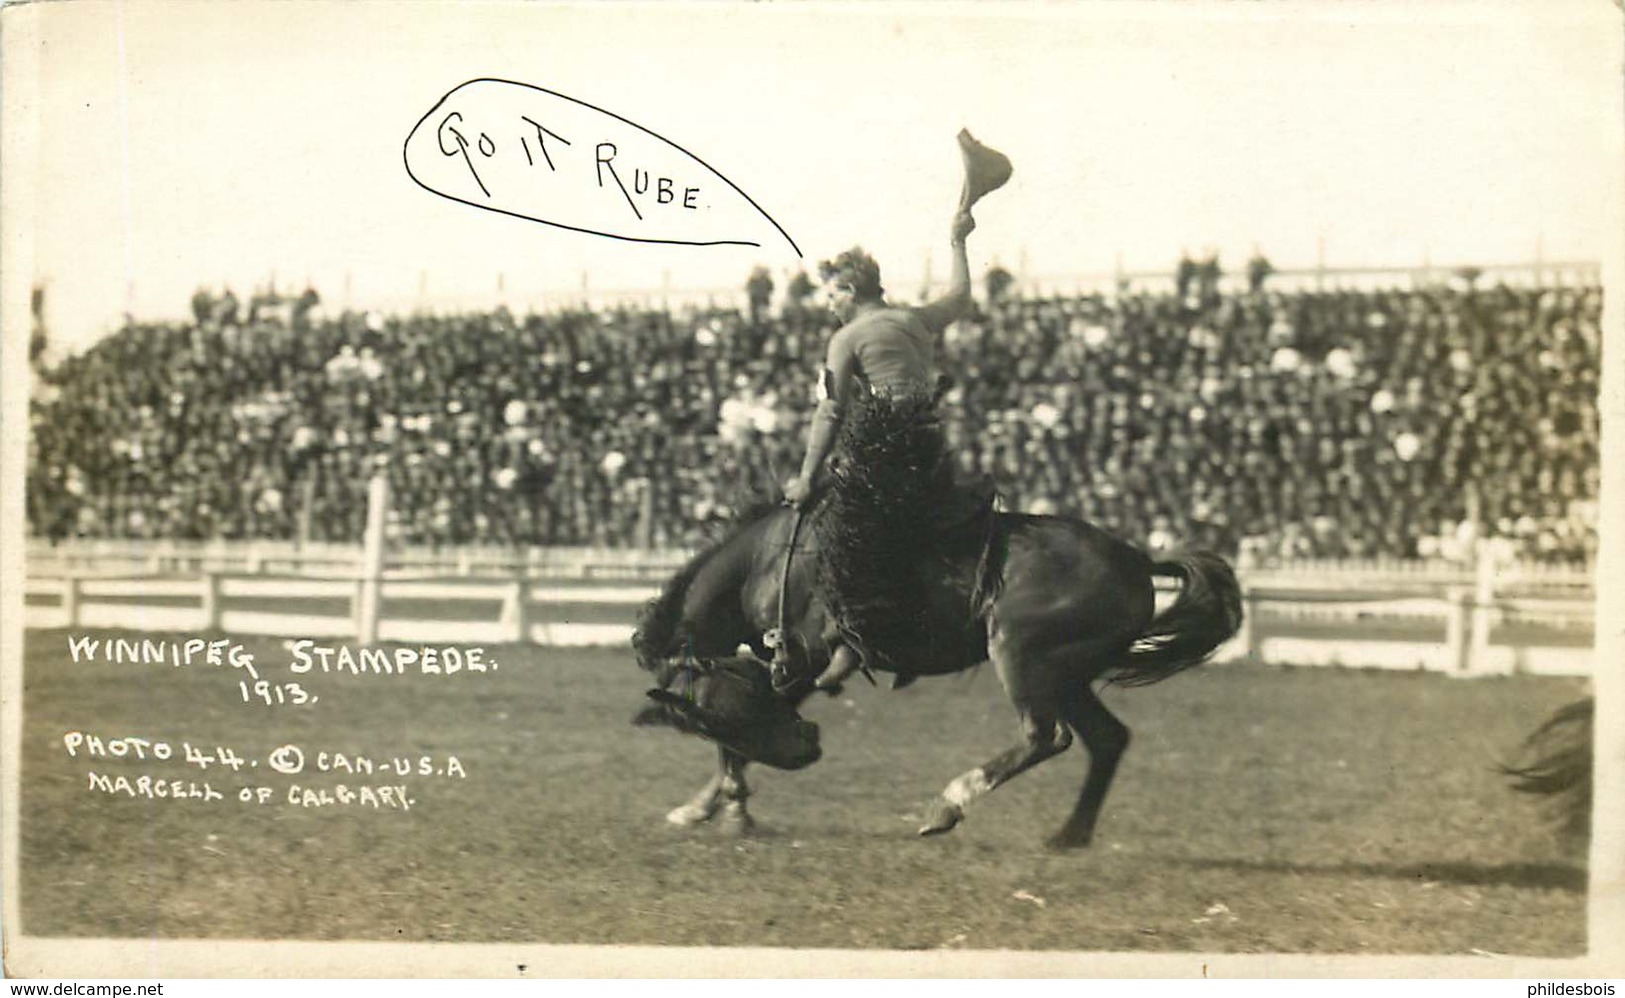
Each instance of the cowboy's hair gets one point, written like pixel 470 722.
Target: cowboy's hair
pixel 857 270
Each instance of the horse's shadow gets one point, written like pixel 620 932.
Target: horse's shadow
pixel 1540 876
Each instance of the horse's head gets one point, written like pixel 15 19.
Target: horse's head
pixel 692 608
pixel 649 640
pixel 731 702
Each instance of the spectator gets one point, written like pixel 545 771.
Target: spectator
pixel 1346 423
pixel 1259 270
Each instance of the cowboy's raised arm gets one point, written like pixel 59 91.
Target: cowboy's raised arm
pixel 835 388
pixel 956 304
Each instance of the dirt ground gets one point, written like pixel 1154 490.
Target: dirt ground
pixel 1259 809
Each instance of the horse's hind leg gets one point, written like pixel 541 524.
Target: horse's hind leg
pixel 1042 736
pixel 1106 738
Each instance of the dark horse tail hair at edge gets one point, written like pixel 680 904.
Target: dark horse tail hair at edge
pixel 1206 613
pixel 1559 752
pixel 1557 763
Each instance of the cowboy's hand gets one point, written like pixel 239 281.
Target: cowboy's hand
pixel 963 226
pixel 796 490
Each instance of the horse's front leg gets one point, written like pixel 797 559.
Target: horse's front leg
pixel 734 793
pixel 702 807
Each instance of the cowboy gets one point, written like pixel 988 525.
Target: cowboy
pixel 881 354
pixel 880 384
pixel 880 349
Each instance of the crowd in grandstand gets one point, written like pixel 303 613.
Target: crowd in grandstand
pixel 1338 423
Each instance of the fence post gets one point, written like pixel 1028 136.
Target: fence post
pixel 1484 614
pixel 515 621
pixel 1459 612
pixel 70 599
pixel 1249 624
pixel 211 601
pixel 368 588
pixel 646 516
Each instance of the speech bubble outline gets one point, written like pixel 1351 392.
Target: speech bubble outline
pixel 439 146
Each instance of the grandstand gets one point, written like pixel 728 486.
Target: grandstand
pixel 1280 424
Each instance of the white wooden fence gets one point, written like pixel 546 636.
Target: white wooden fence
pixel 166 558
pixel 147 604
pixel 1300 616
pixel 1495 617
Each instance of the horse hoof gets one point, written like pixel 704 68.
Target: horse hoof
pixel 740 823
pixel 942 817
pixel 1063 842
pixel 689 815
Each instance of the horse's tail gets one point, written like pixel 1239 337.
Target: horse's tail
pixel 1557 762
pixel 1559 751
pixel 1206 613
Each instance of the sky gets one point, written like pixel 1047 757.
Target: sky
pixel 162 146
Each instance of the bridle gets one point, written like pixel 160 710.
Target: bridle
pixel 779 637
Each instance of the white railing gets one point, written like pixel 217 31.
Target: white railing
pixel 1460 630
pixel 524 614
pixel 1455 634
pixel 126 558
pixel 1329 572
pixel 1452 611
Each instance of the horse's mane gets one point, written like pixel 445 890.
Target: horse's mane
pixel 658 633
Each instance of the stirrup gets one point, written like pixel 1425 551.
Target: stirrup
pixel 779 669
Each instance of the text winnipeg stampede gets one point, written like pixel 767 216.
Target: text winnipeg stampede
pixel 306 656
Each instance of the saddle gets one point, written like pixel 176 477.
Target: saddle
pixel 967 499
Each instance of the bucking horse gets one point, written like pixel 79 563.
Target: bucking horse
pixel 1056 604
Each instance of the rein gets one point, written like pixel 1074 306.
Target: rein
pixel 779 637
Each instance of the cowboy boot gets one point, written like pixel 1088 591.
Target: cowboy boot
pixel 842 664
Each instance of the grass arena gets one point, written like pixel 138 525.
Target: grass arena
pixel 1260 808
